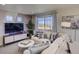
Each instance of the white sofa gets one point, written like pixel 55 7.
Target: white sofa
pixel 59 46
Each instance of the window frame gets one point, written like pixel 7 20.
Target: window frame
pixel 8 19
pixel 44 22
pixel 19 21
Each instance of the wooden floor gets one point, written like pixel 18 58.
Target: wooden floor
pixel 10 49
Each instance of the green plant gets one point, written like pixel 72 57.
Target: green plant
pixel 30 26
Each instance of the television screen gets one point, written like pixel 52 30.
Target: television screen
pixel 13 27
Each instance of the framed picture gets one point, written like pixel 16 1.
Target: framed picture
pixel 70 22
pixel 67 18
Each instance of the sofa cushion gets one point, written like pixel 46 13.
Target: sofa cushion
pixel 57 46
pixel 50 50
pixel 54 46
pixel 38 49
pixel 62 48
pixel 36 39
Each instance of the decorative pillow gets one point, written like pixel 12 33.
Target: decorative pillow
pixel 36 39
pixel 38 49
pixel 53 36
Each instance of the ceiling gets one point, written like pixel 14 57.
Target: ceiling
pixel 35 8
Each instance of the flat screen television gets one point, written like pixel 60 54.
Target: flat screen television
pixel 14 27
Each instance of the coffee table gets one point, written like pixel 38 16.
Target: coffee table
pixel 25 45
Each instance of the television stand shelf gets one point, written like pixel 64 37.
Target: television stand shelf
pixel 9 39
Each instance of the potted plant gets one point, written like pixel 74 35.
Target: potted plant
pixel 30 27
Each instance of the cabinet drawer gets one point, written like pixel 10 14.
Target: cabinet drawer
pixel 20 36
pixel 9 39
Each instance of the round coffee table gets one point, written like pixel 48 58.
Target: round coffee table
pixel 25 45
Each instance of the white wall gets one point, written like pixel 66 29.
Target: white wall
pixel 2 21
pixel 2 14
pixel 67 12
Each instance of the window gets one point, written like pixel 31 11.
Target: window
pixel 45 22
pixel 48 23
pixel 40 23
pixel 19 19
pixel 9 19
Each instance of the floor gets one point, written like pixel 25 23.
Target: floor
pixel 10 49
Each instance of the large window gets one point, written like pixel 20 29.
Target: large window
pixel 8 19
pixel 40 22
pixel 45 22
pixel 19 19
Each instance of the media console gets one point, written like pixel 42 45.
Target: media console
pixel 8 39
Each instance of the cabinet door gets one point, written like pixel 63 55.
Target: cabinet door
pixel 9 39
pixel 23 36
pixel 20 37
pixel 17 37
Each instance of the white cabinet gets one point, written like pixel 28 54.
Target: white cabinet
pixel 24 36
pixel 13 38
pixel 17 37
pixel 9 39
pixel 20 36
